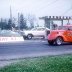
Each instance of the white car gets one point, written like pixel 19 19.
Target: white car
pixel 36 32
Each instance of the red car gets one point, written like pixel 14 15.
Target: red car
pixel 60 35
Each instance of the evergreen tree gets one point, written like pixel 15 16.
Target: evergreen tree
pixel 9 26
pixel 22 22
pixel 3 25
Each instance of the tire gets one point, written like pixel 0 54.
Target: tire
pixel 24 37
pixel 43 37
pixel 50 42
pixel 29 36
pixel 58 41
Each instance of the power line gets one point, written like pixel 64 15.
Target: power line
pixel 48 4
pixel 67 11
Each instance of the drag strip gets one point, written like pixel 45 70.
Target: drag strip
pixel 32 48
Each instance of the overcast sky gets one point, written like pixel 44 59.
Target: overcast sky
pixel 37 7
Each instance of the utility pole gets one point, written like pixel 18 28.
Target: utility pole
pixel 18 21
pixel 11 16
pixel 10 13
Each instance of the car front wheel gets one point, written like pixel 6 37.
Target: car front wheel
pixel 29 36
pixel 58 41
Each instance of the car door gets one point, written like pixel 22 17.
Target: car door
pixel 68 34
pixel 40 32
pixel 34 32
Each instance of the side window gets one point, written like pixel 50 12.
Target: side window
pixel 70 28
pixel 34 29
pixel 41 29
pixel 65 28
pixel 62 28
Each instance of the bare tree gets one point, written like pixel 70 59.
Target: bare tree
pixel 31 19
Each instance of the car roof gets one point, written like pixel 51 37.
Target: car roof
pixel 42 27
pixel 68 25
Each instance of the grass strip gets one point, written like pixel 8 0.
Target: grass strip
pixel 62 63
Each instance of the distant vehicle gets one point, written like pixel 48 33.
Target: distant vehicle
pixel 60 35
pixel 10 36
pixel 36 32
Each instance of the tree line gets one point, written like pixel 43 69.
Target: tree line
pixel 21 24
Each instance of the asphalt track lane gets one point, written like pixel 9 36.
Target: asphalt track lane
pixel 31 48
pixel 10 52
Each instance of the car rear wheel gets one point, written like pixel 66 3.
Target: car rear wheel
pixel 29 36
pixel 50 42
pixel 58 41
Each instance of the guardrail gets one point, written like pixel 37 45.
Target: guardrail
pixel 11 39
